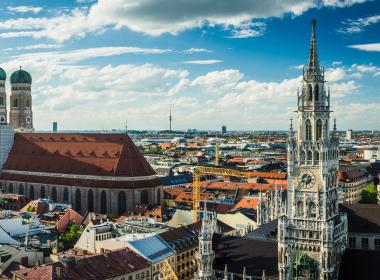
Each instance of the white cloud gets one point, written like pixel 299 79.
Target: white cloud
pixel 197 50
pixel 203 62
pixel 25 9
pixel 248 29
pixel 35 47
pixel 375 47
pixel 358 25
pixel 155 17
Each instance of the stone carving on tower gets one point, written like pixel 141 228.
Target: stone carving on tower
pixel 3 97
pixel 21 101
pixel 312 235
pixel 205 255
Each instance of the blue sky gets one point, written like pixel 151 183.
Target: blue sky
pixel 97 63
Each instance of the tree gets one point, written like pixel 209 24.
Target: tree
pixel 69 238
pixel 369 195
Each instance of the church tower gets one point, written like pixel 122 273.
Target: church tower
pixel 205 255
pixel 312 235
pixel 3 97
pixel 21 101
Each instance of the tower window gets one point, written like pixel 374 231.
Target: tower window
pixel 308 130
pixel 15 103
pixel 27 103
pixel 299 209
pixel 1 101
pixel 309 93
pixel 319 129
pixel 316 93
pixel 312 211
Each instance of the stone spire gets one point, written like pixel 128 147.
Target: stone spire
pixel 313 67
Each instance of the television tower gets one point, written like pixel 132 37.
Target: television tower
pixel 170 120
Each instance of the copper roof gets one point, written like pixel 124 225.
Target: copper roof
pixel 113 155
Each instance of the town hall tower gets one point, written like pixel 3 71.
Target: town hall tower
pixel 312 235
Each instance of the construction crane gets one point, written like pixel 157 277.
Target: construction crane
pixel 167 272
pixel 201 171
pixel 216 154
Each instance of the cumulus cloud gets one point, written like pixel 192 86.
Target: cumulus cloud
pixel 25 9
pixel 375 47
pixel 155 17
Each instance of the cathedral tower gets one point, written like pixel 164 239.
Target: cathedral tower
pixel 21 101
pixel 3 97
pixel 312 234
pixel 205 255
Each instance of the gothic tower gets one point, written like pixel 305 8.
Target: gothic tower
pixel 205 255
pixel 3 97
pixel 312 234
pixel 21 101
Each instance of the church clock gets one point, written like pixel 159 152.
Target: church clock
pixel 306 179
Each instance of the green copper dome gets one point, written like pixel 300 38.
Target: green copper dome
pixel 3 75
pixel 21 77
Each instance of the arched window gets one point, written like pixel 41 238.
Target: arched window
pixel 302 157
pixel 308 130
pixel 309 158
pixel 316 157
pixel 300 209
pixel 319 129
pixel 54 194
pixel 121 203
pixel 43 192
pixel 144 197
pixel 21 189
pixel 31 192
pixel 312 210
pixel 15 103
pixel 316 92
pixel 103 202
pixel 1 101
pixel 90 201
pixel 66 195
pixel 309 93
pixel 10 188
pixel 78 200
pixel 27 103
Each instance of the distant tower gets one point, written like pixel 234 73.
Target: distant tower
pixel 3 97
pixel 312 235
pixel 170 120
pixel 205 255
pixel 55 127
pixel 224 129
pixel 21 101
pixel 349 135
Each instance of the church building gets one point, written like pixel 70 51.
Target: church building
pixel 104 173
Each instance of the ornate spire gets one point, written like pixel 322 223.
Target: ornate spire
pixel 313 67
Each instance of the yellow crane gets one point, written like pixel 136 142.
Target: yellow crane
pixel 216 154
pixel 167 272
pixel 203 170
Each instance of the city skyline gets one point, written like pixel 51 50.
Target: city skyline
pixel 98 62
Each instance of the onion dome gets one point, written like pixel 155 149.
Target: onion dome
pixel 3 75
pixel 21 77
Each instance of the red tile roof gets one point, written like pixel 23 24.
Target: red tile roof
pixel 104 266
pixel 247 202
pixel 77 154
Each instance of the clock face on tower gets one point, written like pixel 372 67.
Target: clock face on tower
pixel 28 119
pixel 2 119
pixel 306 179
